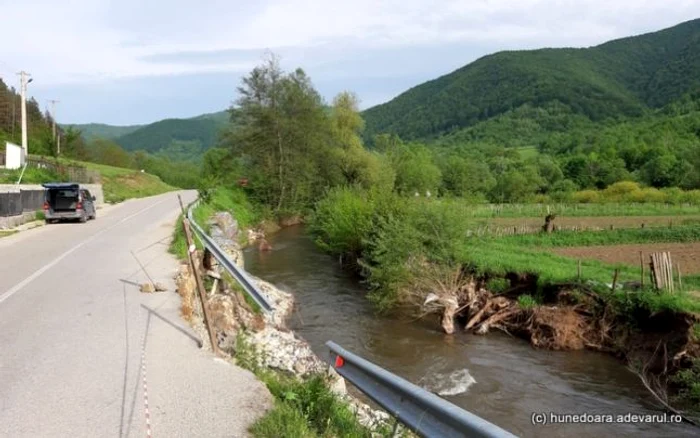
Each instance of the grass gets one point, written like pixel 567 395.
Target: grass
pixel 234 201
pixel 526 302
pixel 220 199
pixel 121 187
pixel 498 257
pixel 579 210
pixel 303 408
pixel 677 234
pixel 31 176
pixel 282 421
pixel 118 184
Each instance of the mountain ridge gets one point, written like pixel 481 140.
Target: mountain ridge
pixel 623 77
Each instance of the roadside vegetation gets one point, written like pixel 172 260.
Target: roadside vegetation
pixel 118 184
pixel 213 200
pixel 303 408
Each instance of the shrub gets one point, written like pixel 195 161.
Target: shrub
pixel 342 219
pixel 649 194
pixel 688 380
pixel 526 301
pixel 541 199
pixel 586 196
pixel 619 190
pixel 497 285
pixel 691 197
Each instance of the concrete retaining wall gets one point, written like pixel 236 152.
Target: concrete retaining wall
pixel 7 222
pixel 15 221
pixel 95 189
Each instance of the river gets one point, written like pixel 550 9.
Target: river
pixel 495 376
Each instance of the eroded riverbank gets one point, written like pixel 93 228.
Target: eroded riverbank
pixel 512 380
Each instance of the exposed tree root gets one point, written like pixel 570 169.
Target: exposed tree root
pixel 574 317
pixel 657 384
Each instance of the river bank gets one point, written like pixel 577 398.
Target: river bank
pixel 311 397
pixel 497 377
pixel 416 259
pixel 456 381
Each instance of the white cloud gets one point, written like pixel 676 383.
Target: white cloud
pixel 79 40
pixel 343 44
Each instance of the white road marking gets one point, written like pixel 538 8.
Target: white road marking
pixel 16 288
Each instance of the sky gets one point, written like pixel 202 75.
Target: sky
pixel 137 61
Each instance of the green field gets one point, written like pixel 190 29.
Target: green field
pixel 580 210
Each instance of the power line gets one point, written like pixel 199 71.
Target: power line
pixel 7 69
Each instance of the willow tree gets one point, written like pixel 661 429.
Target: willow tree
pixel 356 165
pixel 281 135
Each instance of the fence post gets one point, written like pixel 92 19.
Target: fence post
pixel 198 279
pixel 579 270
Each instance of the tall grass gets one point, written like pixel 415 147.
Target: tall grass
pixel 303 407
pixel 580 210
pixel 32 175
pixel 233 201
pixel 677 234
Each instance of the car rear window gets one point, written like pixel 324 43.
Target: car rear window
pixel 67 193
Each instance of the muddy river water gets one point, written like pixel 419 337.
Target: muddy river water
pixel 497 377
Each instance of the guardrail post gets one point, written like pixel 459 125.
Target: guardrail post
pixel 198 279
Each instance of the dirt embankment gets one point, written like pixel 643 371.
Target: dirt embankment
pixel 655 345
pixel 686 255
pixel 238 326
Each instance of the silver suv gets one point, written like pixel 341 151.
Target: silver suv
pixel 64 201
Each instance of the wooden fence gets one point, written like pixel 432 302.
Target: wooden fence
pixel 527 229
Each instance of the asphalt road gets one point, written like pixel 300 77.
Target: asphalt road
pixel 76 336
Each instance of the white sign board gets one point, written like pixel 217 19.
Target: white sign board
pixel 14 156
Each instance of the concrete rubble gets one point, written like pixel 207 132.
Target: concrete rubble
pixel 276 346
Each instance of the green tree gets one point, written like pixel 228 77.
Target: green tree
pixel 355 164
pixel 415 169
pixel 466 177
pixel 281 135
pixel 107 152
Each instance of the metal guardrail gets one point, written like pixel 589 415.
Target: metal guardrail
pixel 219 254
pixel 421 411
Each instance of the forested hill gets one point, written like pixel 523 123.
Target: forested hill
pixel 90 131
pixel 625 77
pixel 159 135
pixel 178 139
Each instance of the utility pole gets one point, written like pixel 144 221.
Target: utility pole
pixel 24 79
pixel 53 116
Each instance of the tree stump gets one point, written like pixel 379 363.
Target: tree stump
pixel 548 226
